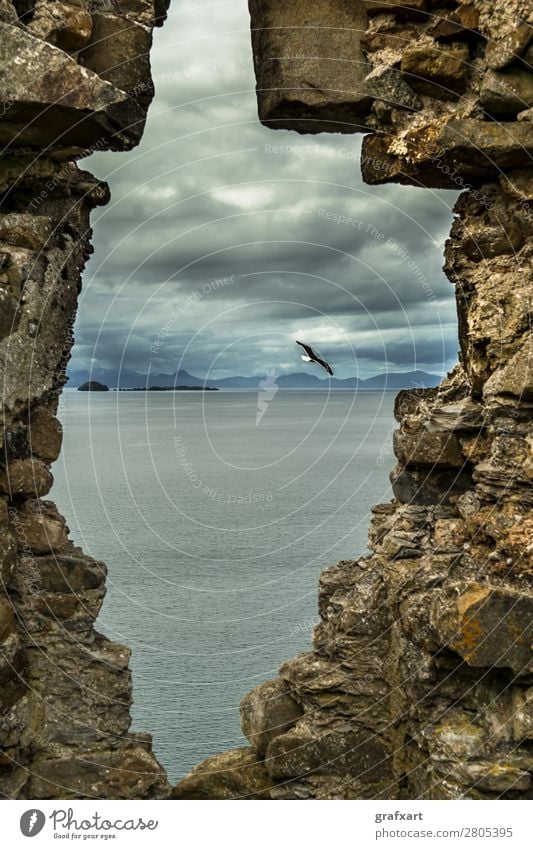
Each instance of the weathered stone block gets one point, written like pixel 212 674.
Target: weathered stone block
pixel 462 416
pixel 494 777
pixel 428 449
pixel 38 527
pixel 45 434
pixel 267 712
pixel 437 71
pixel 29 478
pixel 388 84
pixel 66 25
pixel 344 750
pixel 309 65
pixel 487 626
pixel 17 265
pixel 57 594
pixel 490 241
pixel 69 572
pixel 129 773
pixel 119 53
pixel 459 24
pixel 426 487
pixel 503 51
pixel 237 774
pixel 455 154
pixel 346 678
pixel 86 689
pixel 507 92
pixel 53 101
pixel 515 378
pixel 493 145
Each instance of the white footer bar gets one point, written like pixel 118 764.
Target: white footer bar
pixel 258 825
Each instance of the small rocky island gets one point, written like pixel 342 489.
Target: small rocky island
pixel 93 386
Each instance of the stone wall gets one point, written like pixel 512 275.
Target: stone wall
pixel 75 79
pixel 419 683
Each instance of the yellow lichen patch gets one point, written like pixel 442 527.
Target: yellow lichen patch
pixel 468 639
pixel 475 594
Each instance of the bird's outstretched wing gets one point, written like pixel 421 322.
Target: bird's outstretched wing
pixel 325 365
pixel 314 357
pixel 308 350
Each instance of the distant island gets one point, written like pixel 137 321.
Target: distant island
pixel 127 380
pixel 93 386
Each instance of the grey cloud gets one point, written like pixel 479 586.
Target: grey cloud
pixel 180 220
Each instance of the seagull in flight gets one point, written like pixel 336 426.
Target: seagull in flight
pixel 311 357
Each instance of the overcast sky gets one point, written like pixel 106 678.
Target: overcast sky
pixel 217 250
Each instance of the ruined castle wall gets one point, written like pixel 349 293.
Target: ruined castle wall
pixel 75 78
pixel 419 683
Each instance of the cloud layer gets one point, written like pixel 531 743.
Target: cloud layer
pixel 238 239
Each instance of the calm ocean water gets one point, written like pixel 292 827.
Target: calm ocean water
pixel 215 530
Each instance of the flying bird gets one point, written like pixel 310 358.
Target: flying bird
pixel 311 357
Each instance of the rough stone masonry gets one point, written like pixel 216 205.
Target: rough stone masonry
pixel 75 78
pixel 419 682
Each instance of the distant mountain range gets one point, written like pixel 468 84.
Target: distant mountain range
pixel 126 379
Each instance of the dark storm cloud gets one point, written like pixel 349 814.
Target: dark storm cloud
pixel 302 244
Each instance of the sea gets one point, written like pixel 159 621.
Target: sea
pixel 216 513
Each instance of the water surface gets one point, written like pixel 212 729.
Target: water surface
pixel 215 530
